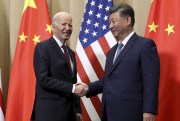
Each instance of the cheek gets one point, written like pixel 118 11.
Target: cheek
pixel 115 33
pixel 119 28
pixel 71 30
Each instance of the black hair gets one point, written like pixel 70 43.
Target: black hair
pixel 125 10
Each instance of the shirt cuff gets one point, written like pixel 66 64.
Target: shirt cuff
pixel 73 89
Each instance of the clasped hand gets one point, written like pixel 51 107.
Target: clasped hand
pixel 81 89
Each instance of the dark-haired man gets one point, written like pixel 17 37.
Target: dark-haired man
pixel 131 79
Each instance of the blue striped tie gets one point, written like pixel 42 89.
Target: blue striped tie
pixel 119 48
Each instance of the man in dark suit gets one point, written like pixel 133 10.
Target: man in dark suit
pixel 131 79
pixel 55 70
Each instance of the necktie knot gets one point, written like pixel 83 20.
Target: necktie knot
pixel 120 45
pixel 64 48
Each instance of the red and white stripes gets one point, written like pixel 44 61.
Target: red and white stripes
pixel 90 67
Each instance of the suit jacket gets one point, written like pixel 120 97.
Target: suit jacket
pixel 130 85
pixel 54 100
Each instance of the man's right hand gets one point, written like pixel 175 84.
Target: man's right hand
pixel 81 89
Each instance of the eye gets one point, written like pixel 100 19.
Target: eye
pixel 64 24
pixel 70 25
pixel 113 21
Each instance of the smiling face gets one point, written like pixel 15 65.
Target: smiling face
pixel 62 26
pixel 119 25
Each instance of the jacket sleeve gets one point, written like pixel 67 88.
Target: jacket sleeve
pixel 150 71
pixel 95 88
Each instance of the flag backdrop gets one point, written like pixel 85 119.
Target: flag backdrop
pixel 1 101
pixel 35 26
pixel 163 27
pixel 95 40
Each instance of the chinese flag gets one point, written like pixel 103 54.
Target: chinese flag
pixel 35 27
pixel 163 27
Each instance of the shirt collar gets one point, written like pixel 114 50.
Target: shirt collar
pixel 127 38
pixel 58 41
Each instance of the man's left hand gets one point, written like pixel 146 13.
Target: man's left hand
pixel 79 117
pixel 148 117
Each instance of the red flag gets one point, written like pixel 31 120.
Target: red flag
pixel 163 27
pixel 95 40
pixel 1 101
pixel 35 27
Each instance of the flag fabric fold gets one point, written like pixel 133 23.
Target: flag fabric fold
pixel 94 41
pixel 1 101
pixel 163 27
pixel 35 26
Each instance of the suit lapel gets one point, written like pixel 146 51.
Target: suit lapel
pixel 58 50
pixel 125 50
pixel 110 57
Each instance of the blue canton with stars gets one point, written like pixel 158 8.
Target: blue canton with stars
pixel 95 22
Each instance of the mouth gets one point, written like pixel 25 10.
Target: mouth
pixel 67 33
pixel 113 30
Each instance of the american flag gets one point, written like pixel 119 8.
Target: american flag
pixel 94 41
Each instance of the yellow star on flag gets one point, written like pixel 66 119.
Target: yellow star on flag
pixel 36 39
pixel 170 29
pixel 153 27
pixel 151 1
pixel 22 37
pixel 29 3
pixel 49 28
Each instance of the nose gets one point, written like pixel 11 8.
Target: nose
pixel 110 25
pixel 68 27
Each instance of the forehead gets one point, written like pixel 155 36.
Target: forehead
pixel 115 15
pixel 65 19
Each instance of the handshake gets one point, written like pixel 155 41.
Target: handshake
pixel 81 89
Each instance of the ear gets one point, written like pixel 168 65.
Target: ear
pixel 128 18
pixel 53 28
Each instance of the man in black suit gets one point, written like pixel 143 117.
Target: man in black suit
pixel 55 70
pixel 131 79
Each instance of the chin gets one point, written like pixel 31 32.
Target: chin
pixel 66 38
pixel 115 36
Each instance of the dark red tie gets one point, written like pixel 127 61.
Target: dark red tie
pixel 66 53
